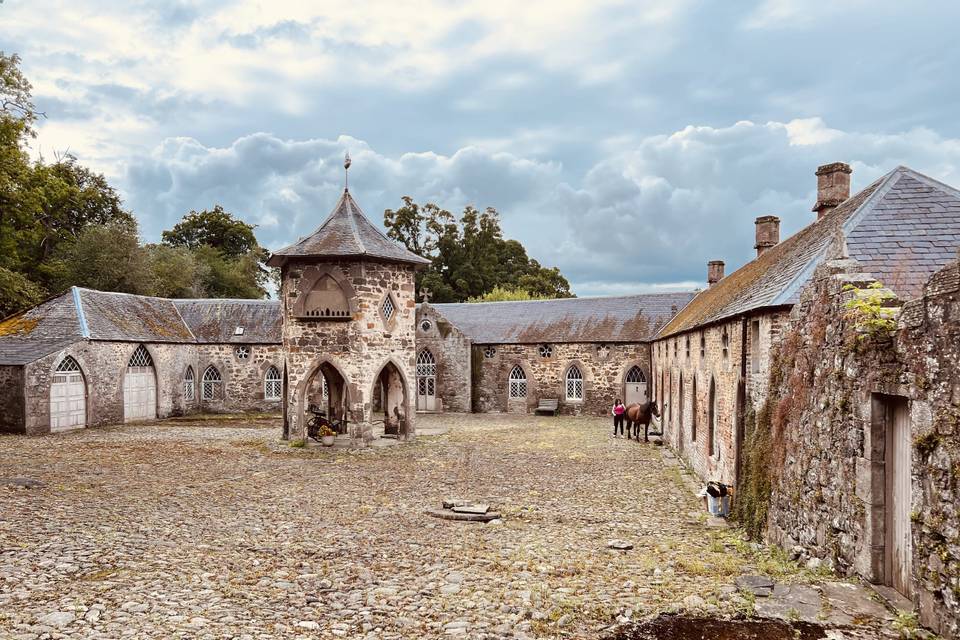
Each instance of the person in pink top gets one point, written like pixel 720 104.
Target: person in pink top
pixel 618 415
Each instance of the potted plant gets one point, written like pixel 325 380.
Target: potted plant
pixel 327 436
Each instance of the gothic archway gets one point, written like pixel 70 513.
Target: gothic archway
pixel 389 401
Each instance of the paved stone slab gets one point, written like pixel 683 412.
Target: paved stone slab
pixel 851 604
pixel 791 602
pixel 760 586
pixel 449 514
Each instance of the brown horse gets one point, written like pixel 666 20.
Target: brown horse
pixel 639 414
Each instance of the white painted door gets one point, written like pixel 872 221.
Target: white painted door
pixel 426 381
pixel 899 559
pixel 635 387
pixel 139 394
pixel 68 402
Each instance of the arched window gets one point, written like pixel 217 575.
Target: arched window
pixel 712 420
pixel 140 358
pixel 68 365
pixel 518 383
pixel 574 384
pixel 189 389
pixel 272 384
pixel 635 374
pixel 212 387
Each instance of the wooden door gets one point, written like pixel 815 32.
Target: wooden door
pixel 139 394
pixel 68 402
pixel 898 498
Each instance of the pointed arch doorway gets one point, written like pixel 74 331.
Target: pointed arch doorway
pixel 140 387
pixel 634 386
pixel 426 381
pixel 68 397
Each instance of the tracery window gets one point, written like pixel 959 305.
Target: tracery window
pixel 243 352
pixel 68 365
pixel 518 383
pixel 189 389
pixel 272 384
pixel 545 351
pixel 489 352
pixel 574 384
pixel 212 384
pixel 140 358
pixel 387 309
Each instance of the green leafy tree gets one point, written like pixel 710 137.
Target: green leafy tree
pixel 503 294
pixel 176 272
pixel 106 257
pixel 218 229
pixel 469 257
pixel 229 258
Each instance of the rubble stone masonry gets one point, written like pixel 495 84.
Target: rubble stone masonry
pixel 830 379
pixel 451 350
pixel 603 365
pixel 358 347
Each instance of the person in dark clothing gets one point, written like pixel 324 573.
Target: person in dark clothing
pixel 618 417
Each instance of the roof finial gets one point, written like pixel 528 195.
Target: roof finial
pixel 346 172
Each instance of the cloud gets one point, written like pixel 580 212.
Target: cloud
pixel 643 219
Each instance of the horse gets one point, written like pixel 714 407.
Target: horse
pixel 639 413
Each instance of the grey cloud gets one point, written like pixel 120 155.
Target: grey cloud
pixel 652 214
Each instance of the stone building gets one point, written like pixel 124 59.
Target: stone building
pixel 508 356
pixel 348 313
pixel 712 359
pixel 861 445
pixel 88 358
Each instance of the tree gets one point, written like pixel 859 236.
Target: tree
pixel 176 272
pixel 469 257
pixel 107 257
pixel 228 256
pixel 504 294
pixel 217 229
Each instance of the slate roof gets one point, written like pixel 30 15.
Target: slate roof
pixel 44 329
pixel 903 228
pixel 216 321
pixel 610 319
pixel 347 233
pixel 128 317
pixel 81 314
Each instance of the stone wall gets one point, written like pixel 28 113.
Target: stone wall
pixel 243 378
pixel 820 435
pixel 725 353
pixel 603 366
pixel 11 399
pixel 359 346
pixel 451 350
pixel 103 365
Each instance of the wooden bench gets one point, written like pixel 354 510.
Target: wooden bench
pixel 548 405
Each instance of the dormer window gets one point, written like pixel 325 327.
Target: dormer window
pixel 238 331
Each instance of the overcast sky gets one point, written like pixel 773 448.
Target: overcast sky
pixel 625 142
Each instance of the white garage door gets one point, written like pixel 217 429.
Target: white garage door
pixel 140 388
pixel 635 386
pixel 68 397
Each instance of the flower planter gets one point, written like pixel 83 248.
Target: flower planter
pixel 327 441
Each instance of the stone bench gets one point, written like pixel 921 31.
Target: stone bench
pixel 548 405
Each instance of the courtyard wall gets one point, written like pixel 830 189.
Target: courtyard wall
pixel 603 366
pixel 816 451
pixel 243 378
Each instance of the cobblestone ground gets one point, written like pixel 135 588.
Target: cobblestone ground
pixel 214 529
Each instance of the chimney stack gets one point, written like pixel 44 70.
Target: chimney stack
pixel 768 233
pixel 714 272
pixel 833 187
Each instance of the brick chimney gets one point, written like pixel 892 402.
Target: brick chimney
pixel 833 187
pixel 714 272
pixel 768 233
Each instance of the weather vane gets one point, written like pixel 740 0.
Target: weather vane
pixel 346 172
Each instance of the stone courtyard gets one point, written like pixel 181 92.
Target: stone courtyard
pixel 214 528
